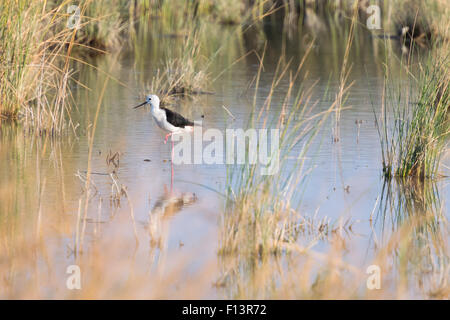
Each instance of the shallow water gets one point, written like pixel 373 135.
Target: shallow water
pixel 178 239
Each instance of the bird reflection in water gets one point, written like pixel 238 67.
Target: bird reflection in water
pixel 168 205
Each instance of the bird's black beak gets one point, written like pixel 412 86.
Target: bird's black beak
pixel 140 105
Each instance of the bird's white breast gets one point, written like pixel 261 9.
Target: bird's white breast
pixel 160 117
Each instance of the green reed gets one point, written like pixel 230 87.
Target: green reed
pixel 260 215
pixel 34 64
pixel 413 141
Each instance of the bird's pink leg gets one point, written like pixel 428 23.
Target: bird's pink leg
pixel 167 137
pixel 171 181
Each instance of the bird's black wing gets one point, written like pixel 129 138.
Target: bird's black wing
pixel 177 119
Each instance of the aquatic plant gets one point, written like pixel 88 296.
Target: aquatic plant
pixel 184 73
pixel 37 43
pixel 34 65
pixel 413 141
pixel 260 215
pixel 408 244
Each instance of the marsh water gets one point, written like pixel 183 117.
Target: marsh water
pixel 42 180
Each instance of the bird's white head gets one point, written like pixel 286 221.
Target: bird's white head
pixel 153 100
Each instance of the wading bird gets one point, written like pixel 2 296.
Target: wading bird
pixel 167 120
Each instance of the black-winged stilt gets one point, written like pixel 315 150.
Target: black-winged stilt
pixel 167 120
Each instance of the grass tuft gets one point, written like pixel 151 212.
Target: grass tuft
pixel 414 140
pixel 183 75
